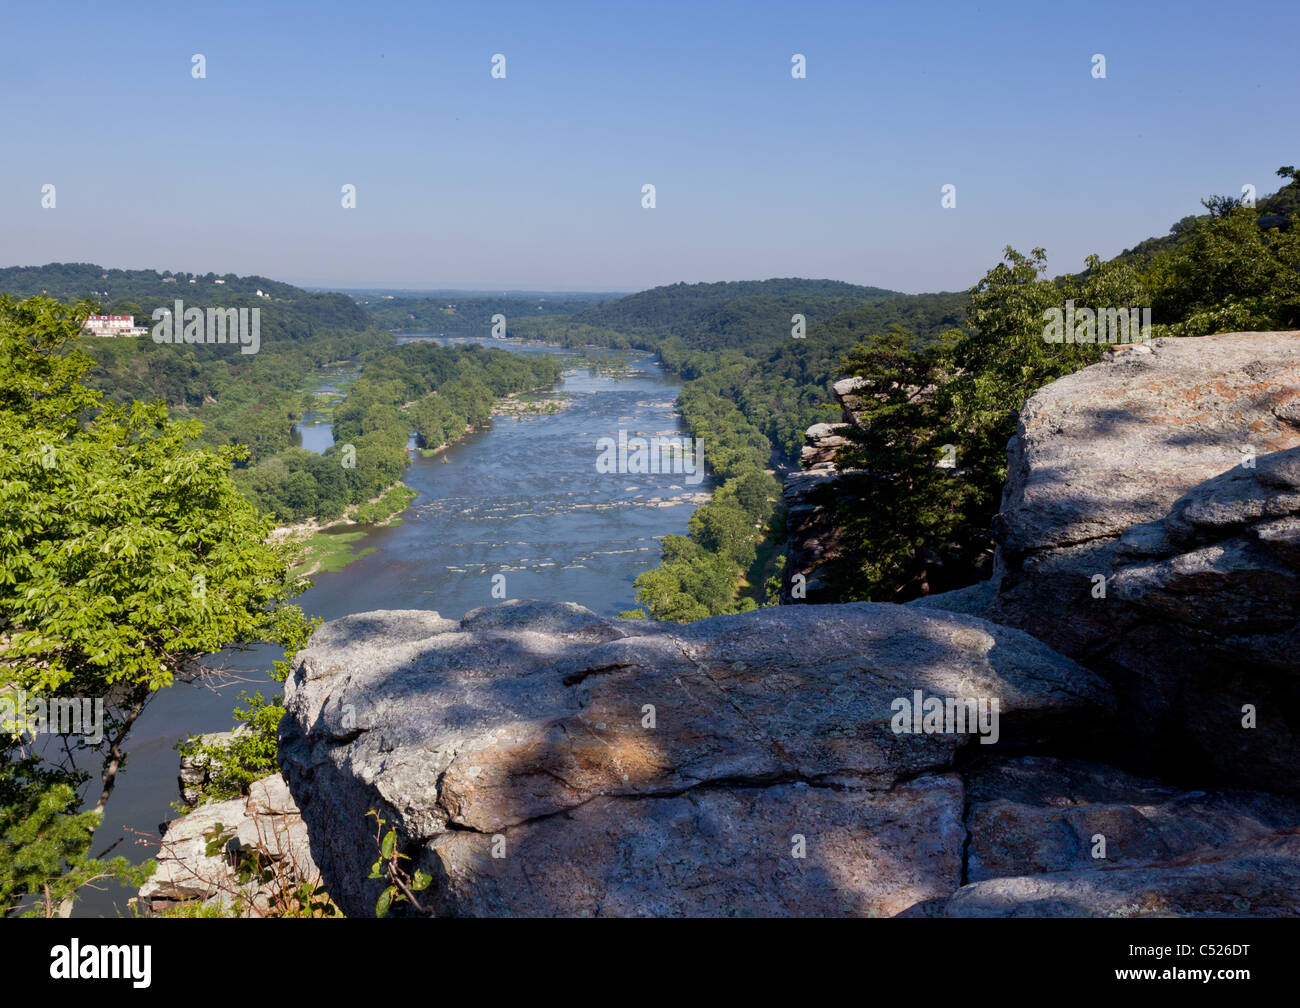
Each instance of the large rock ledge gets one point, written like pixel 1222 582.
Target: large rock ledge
pixel 1172 471
pixel 525 731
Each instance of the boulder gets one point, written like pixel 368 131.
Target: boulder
pixel 822 443
pixel 727 851
pixel 264 825
pixel 538 759
pixel 197 769
pixel 1149 530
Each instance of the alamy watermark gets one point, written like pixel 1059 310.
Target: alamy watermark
pixel 1105 325
pixel 922 715
pixel 24 715
pixel 216 325
pixel 652 455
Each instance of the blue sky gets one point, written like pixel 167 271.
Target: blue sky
pixel 534 181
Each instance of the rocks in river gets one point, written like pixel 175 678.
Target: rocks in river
pixel 588 751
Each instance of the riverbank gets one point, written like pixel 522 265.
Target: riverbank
pixel 328 546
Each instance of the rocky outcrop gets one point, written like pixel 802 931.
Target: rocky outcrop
pixel 816 504
pixel 1258 882
pixel 537 759
pixel 197 767
pixel 822 499
pixel 1149 530
pixel 822 443
pixel 264 834
pixel 1035 815
pixel 816 499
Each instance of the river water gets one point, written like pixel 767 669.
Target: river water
pixel 522 499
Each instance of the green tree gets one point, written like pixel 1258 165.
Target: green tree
pixel 126 555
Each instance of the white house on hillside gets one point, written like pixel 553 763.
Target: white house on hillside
pixel 112 325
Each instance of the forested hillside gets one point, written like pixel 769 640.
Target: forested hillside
pixel 240 399
pixel 288 312
pixel 254 400
pixel 451 314
pixel 439 392
pixel 715 315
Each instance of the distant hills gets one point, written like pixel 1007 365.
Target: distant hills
pixel 449 313
pixel 287 310
pixel 736 313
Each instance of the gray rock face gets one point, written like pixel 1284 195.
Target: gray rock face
pixel 822 498
pixel 714 850
pixel 625 766
pixel 975 600
pixel 815 503
pixel 1170 470
pixel 196 770
pixel 1036 815
pixel 266 821
pixel 1055 837
pixel 1260 882
pixel 816 498
pixel 821 444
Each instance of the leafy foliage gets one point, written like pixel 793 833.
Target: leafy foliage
pixel 401 886
pixel 44 841
pixel 126 554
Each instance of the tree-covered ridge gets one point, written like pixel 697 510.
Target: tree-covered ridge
pixel 255 400
pixel 288 312
pixel 467 315
pixel 726 314
pixel 248 399
pixel 1274 209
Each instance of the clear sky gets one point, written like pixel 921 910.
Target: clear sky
pixel 534 181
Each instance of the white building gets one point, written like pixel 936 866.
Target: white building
pixel 112 325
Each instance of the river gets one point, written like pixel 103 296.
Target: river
pixel 522 499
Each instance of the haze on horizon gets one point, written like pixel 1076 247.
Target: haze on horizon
pixel 534 181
